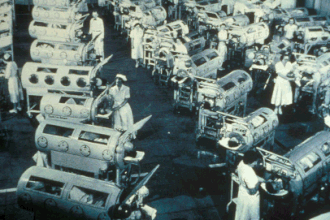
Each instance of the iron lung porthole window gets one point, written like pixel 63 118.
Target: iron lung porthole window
pixel 65 81
pixel 81 82
pixel 34 79
pixel 49 80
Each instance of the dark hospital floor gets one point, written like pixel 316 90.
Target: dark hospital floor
pixel 183 187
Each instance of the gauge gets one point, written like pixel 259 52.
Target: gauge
pixel 25 200
pixel 77 56
pixel 227 99
pixel 63 55
pixel 103 216
pixel 255 136
pixel 49 109
pixel 236 95
pixel 67 111
pixel 35 52
pixel 84 113
pixel 42 142
pixel 266 129
pixel 50 203
pixel 107 155
pixel 85 150
pixel 63 146
pixel 76 211
pixel 50 54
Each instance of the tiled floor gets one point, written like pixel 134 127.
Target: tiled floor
pixel 182 188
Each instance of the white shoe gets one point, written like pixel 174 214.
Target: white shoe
pixel 280 111
pixel 276 110
pixel 136 65
pixel 13 111
pixel 19 108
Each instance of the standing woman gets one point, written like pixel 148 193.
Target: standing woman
pixel 223 38
pixel 96 29
pixel 14 84
pixel 136 36
pixel 248 199
pixel 122 112
pixel 290 30
pixel 282 94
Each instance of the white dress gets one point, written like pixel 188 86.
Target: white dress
pixel 248 206
pixel 123 118
pixel 289 31
pixel 240 8
pixel 136 36
pixel 223 35
pixel 14 84
pixel 222 49
pixel 282 94
pixel 96 27
pixel 181 48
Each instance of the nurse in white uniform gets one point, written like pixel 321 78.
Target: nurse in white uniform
pixel 290 29
pixel 248 200
pixel 122 116
pixel 223 38
pixel 136 36
pixel 14 84
pixel 97 28
pixel 282 94
pixel 180 47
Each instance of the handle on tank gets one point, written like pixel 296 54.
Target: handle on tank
pixel 137 126
pixel 141 184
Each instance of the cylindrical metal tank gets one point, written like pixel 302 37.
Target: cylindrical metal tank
pixel 251 34
pixel 67 78
pixel 52 105
pixel 288 3
pixel 83 108
pixel 237 20
pixel 151 17
pixel 173 29
pixel 224 92
pixel 315 35
pixel 58 53
pixel 6 36
pixel 257 129
pixel 57 3
pixel 62 32
pixel 49 190
pixel 311 160
pixel 302 170
pixel 315 20
pixel 63 15
pixel 87 141
pixel 154 16
pixel 203 64
pixel 281 14
pixel 206 5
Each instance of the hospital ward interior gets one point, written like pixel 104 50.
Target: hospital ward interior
pixel 165 109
